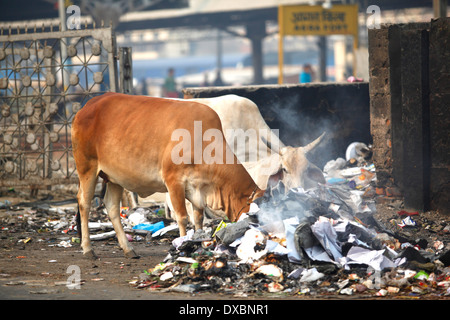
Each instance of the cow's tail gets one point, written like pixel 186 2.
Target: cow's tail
pixel 78 216
pixel 78 221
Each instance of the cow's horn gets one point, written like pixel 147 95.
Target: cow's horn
pixel 314 144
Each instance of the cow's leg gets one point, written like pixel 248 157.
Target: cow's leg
pixel 177 197
pixel 85 195
pixel 168 207
pixel 198 217
pixel 112 203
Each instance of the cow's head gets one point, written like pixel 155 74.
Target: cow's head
pixel 295 170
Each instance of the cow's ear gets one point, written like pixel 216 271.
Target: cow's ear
pixel 315 174
pixel 274 178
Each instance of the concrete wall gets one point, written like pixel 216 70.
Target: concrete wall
pixel 302 112
pixel 409 68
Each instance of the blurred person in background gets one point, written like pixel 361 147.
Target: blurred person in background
pixel 307 74
pixel 169 88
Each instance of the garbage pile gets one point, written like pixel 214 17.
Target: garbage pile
pixel 320 241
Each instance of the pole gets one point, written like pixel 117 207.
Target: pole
pixel 280 45
pixel 355 44
pixel 62 18
pixel 126 70
pixel 62 14
pixel 256 33
pixel 218 81
pixel 322 58
pixel 440 8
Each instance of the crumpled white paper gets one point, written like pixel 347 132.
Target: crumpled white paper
pixel 372 258
pixel 246 250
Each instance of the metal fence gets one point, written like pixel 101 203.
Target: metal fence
pixel 45 78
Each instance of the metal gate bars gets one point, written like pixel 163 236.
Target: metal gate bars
pixel 45 78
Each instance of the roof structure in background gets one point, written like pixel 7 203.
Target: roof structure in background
pixel 183 13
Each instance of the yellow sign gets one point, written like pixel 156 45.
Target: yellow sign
pixel 305 20
pixel 315 20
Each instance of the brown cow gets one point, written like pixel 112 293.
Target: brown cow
pixel 130 141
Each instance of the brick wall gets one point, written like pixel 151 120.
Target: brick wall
pixel 439 66
pixel 409 92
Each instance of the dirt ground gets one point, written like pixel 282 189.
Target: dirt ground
pixel 34 267
pixel 39 270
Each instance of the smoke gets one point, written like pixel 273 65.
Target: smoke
pixel 277 206
pixel 285 111
pixel 300 126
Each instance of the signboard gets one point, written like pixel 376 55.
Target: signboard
pixel 306 20
pixel 315 20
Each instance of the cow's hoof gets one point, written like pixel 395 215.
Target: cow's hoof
pixel 132 255
pixel 90 255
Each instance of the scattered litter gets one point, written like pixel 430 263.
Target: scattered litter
pixel 15 283
pixel 64 244
pixel 406 213
pixel 5 204
pixel 163 231
pixel 102 236
pixel 227 234
pixel 360 288
pixel 372 258
pixel 185 288
pixel 272 271
pixel 180 240
pixel 421 275
pixel 186 260
pixel 346 291
pixel 311 275
pixel 274 287
pixel 407 222
pixel 393 289
pixel 150 227
pixel 166 276
pixel 27 240
pixel 321 241
pixel 44 291
pixel 139 216
pixel 100 226
pixel 381 293
pixel 252 239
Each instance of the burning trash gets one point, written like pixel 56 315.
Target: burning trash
pixel 325 257
pixel 321 241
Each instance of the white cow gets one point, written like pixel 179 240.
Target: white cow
pixel 266 158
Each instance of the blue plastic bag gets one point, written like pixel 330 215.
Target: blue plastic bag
pixel 150 227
